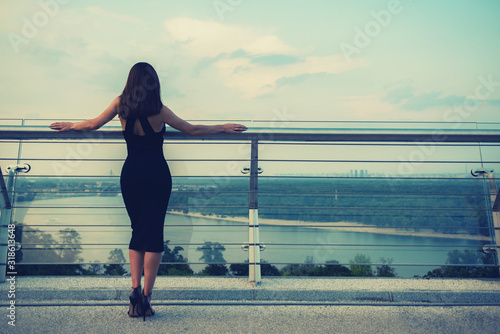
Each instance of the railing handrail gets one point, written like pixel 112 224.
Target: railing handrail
pixel 115 120
pixel 278 134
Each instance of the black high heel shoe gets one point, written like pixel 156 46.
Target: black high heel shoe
pixel 134 309
pixel 146 309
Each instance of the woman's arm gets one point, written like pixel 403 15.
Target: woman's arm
pixel 198 130
pixel 90 124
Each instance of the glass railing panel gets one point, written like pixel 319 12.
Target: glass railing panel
pixel 416 204
pixel 72 196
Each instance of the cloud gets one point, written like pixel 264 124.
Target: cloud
pixel 120 17
pixel 209 39
pixel 429 100
pixel 207 62
pixel 408 100
pixel 494 102
pixel 291 81
pixel 276 60
pixel 251 62
pixel 397 95
pixel 255 79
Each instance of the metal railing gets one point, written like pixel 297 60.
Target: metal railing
pixel 215 187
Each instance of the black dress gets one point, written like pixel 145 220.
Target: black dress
pixel 146 184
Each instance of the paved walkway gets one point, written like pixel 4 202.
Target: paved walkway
pixel 278 305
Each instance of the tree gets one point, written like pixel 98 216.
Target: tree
pixel 212 254
pixel 239 269
pixel 116 255
pixel 469 270
pixel 358 270
pixel 44 251
pixel 306 269
pixel 385 270
pixel 71 250
pixel 71 240
pixel 174 256
pixel 94 269
pixel 334 269
pixel 266 269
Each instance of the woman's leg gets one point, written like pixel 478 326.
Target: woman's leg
pixel 136 266
pixel 151 264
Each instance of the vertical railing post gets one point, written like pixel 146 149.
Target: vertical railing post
pixel 5 216
pixel 253 215
pixel 7 226
pixel 495 211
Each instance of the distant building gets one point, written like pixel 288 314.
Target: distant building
pixel 362 173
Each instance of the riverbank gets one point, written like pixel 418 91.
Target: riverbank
pixel 339 226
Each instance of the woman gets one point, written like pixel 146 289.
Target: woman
pixel 145 178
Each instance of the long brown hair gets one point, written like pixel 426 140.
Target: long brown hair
pixel 141 95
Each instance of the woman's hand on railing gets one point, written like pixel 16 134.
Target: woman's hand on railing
pixel 233 128
pixel 62 126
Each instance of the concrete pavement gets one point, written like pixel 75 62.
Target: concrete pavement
pixel 259 319
pixel 278 305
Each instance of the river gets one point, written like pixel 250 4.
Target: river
pixel 97 221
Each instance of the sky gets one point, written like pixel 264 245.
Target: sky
pixel 323 60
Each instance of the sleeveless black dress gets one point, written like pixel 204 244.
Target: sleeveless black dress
pixel 146 184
